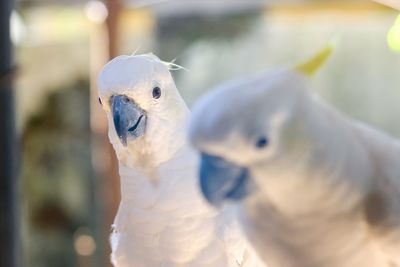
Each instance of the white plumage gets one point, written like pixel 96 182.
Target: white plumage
pixel 317 189
pixel 162 220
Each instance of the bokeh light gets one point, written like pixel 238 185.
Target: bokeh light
pixel 84 245
pixel 393 36
pixel 18 28
pixel 96 11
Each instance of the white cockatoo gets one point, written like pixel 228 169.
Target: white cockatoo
pixel 163 220
pixel 312 187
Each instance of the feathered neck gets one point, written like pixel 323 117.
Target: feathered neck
pixel 137 180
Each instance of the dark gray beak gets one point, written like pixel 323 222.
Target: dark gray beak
pixel 129 118
pixel 222 181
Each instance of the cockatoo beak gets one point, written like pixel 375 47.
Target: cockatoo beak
pixel 222 181
pixel 129 118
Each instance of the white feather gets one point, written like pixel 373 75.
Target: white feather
pixel 163 220
pixel 327 188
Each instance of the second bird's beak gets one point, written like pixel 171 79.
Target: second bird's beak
pixel 222 181
pixel 129 118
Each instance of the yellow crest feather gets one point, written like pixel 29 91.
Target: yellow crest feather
pixel 311 66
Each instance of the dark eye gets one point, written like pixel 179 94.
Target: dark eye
pixel 262 142
pixel 100 101
pixel 156 92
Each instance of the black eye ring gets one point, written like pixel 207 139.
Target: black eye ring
pixel 262 142
pixel 100 101
pixel 156 92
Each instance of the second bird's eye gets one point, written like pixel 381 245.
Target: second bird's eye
pixel 100 101
pixel 262 142
pixel 156 92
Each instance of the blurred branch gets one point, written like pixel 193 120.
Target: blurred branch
pixel 114 10
pixel 104 45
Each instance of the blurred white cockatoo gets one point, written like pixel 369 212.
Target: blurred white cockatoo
pixel 162 220
pixel 313 188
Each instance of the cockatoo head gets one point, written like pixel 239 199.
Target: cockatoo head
pixel 246 127
pixel 143 107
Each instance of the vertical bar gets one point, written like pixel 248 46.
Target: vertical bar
pixel 104 159
pixel 8 184
pixel 114 11
pixel 106 182
pixel 111 183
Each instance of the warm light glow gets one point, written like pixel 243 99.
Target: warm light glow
pixel 393 36
pixel 85 245
pixel 96 11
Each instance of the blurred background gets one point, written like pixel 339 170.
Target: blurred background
pixel 68 187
